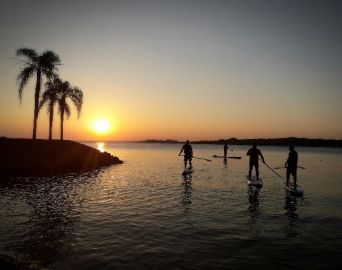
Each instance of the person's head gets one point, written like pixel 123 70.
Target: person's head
pixel 187 142
pixel 291 147
pixel 254 145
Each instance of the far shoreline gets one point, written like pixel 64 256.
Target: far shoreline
pixel 303 142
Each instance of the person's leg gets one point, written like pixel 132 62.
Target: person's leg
pixel 250 170
pixel 287 176
pixel 190 162
pixel 295 176
pixel 257 170
pixel 185 162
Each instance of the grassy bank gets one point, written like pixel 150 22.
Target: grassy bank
pixel 26 157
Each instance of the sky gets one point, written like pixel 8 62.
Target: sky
pixel 180 69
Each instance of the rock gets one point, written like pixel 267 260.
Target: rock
pixel 26 157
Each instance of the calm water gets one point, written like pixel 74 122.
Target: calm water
pixel 143 215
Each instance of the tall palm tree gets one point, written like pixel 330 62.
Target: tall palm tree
pixel 51 96
pixel 75 95
pixel 44 64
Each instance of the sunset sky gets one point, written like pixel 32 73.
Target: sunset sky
pixel 181 69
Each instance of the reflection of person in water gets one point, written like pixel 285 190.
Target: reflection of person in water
pixel 187 192
pixel 291 165
pixel 253 198
pixel 254 154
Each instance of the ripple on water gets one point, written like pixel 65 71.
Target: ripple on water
pixel 142 214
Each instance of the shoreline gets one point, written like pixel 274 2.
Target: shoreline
pixel 42 158
pixel 305 142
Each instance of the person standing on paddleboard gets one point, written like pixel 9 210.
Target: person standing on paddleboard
pixel 225 150
pixel 291 165
pixel 187 153
pixel 254 154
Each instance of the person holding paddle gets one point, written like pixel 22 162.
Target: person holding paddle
pixel 187 153
pixel 254 154
pixel 225 149
pixel 291 165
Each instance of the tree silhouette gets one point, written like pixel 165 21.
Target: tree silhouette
pixel 51 96
pixel 44 64
pixel 67 92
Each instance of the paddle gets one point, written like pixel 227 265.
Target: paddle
pixel 235 157
pixel 199 158
pixel 272 170
pixel 277 168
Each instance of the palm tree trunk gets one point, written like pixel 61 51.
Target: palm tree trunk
pixel 50 120
pixel 62 120
pixel 36 104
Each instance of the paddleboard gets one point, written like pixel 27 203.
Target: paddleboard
pixel 234 157
pixel 188 171
pixel 296 191
pixel 253 181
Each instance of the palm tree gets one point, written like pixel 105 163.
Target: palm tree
pixel 75 95
pixel 44 64
pixel 51 96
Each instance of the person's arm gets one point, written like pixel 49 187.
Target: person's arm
pixel 248 153
pixel 191 151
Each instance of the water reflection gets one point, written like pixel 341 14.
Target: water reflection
pixel 187 192
pixel 254 210
pixel 225 162
pixel 291 212
pixel 50 209
pixel 101 146
pixel 253 199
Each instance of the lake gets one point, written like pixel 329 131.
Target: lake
pixel 143 215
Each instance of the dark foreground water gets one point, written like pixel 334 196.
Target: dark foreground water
pixel 142 215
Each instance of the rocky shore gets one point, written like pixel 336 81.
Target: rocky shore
pixel 38 158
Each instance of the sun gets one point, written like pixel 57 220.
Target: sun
pixel 101 126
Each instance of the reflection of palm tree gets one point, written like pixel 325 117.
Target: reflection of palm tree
pixel 76 96
pixel 44 64
pixel 51 96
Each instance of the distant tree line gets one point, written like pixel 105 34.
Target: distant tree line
pixel 271 141
pixel 56 92
pixel 277 142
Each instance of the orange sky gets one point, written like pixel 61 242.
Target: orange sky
pixel 181 71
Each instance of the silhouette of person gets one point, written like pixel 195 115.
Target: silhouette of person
pixel 291 165
pixel 254 154
pixel 187 153
pixel 225 149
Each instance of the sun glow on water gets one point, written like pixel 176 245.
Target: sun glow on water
pixel 101 146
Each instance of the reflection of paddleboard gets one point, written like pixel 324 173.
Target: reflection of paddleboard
pixel 234 157
pixel 296 191
pixel 188 171
pixel 254 182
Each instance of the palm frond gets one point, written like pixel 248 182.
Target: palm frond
pixel 29 53
pixel 48 61
pixel 23 78
pixel 52 92
pixel 77 98
pixel 67 110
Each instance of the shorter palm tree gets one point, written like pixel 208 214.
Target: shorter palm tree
pixel 67 92
pixel 51 96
